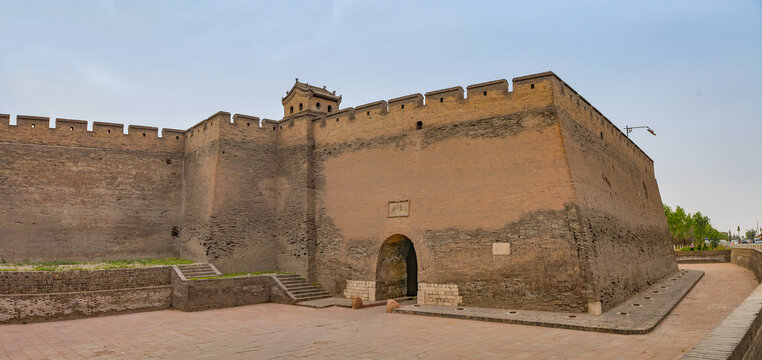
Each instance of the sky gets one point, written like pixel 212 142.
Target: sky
pixel 691 70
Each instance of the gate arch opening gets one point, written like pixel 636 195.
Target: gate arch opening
pixel 397 269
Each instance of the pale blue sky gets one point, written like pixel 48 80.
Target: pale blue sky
pixel 692 70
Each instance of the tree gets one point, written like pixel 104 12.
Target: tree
pixel 684 226
pixel 700 226
pixel 751 234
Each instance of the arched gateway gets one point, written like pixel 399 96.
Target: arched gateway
pixel 397 269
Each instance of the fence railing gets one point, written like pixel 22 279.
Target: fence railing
pixel 746 246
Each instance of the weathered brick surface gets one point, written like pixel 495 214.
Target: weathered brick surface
pixel 439 294
pixel 197 295
pixel 40 282
pixel 78 195
pixel 362 289
pixel 56 295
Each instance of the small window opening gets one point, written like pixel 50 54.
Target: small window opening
pixel 108 131
pixel 169 161
pixel 368 113
pixel 441 99
pixel 281 127
pixel 645 189
pixel 71 128
pixel 337 119
pixel 291 110
pixel 248 124
pixel 330 108
pixel 273 127
pixel 301 107
pixel 177 138
pixel 175 231
pixel 531 86
pixel 485 93
pixel 144 134
pixel 317 106
pixel 32 125
pixel 402 106
pixel 601 135
pixel 419 125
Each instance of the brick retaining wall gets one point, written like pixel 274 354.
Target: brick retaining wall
pixel 739 336
pixel 698 257
pixel 32 296
pixel 197 295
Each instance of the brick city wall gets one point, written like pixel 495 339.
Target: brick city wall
pixel 231 194
pixel 624 242
pixel 73 194
pixel 311 194
pixel 29 296
pixel 739 336
pixel 481 170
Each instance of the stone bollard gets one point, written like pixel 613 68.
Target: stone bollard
pixel 356 302
pixel 391 304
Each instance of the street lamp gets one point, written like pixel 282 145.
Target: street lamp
pixel 629 129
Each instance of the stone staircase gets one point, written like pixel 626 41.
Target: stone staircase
pixel 197 271
pixel 300 289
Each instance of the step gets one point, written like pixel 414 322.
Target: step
pixel 192 276
pixel 207 271
pixel 303 287
pixel 300 299
pixel 198 266
pixel 308 291
pixel 283 276
pixel 199 272
pixel 295 282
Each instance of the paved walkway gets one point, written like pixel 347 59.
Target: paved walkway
pixel 281 331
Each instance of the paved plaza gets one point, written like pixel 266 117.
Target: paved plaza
pixel 280 331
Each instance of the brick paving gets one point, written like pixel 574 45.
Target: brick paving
pixel 640 314
pixel 283 331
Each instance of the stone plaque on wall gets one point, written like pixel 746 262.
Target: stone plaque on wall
pixel 399 208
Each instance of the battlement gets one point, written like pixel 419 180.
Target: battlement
pixel 70 132
pixel 449 105
pixel 378 118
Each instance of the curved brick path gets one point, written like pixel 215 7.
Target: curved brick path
pixel 281 331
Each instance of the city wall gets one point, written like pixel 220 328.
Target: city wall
pixel 620 208
pixel 311 194
pixel 72 194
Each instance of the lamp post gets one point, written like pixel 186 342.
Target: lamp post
pixel 629 129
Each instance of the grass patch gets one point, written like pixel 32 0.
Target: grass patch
pixel 97 265
pixel 244 274
pixel 119 264
pixel 44 268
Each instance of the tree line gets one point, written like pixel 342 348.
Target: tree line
pixel 686 227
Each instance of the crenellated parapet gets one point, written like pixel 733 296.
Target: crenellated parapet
pixel 452 105
pixel 69 132
pixel 567 99
pixel 379 118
